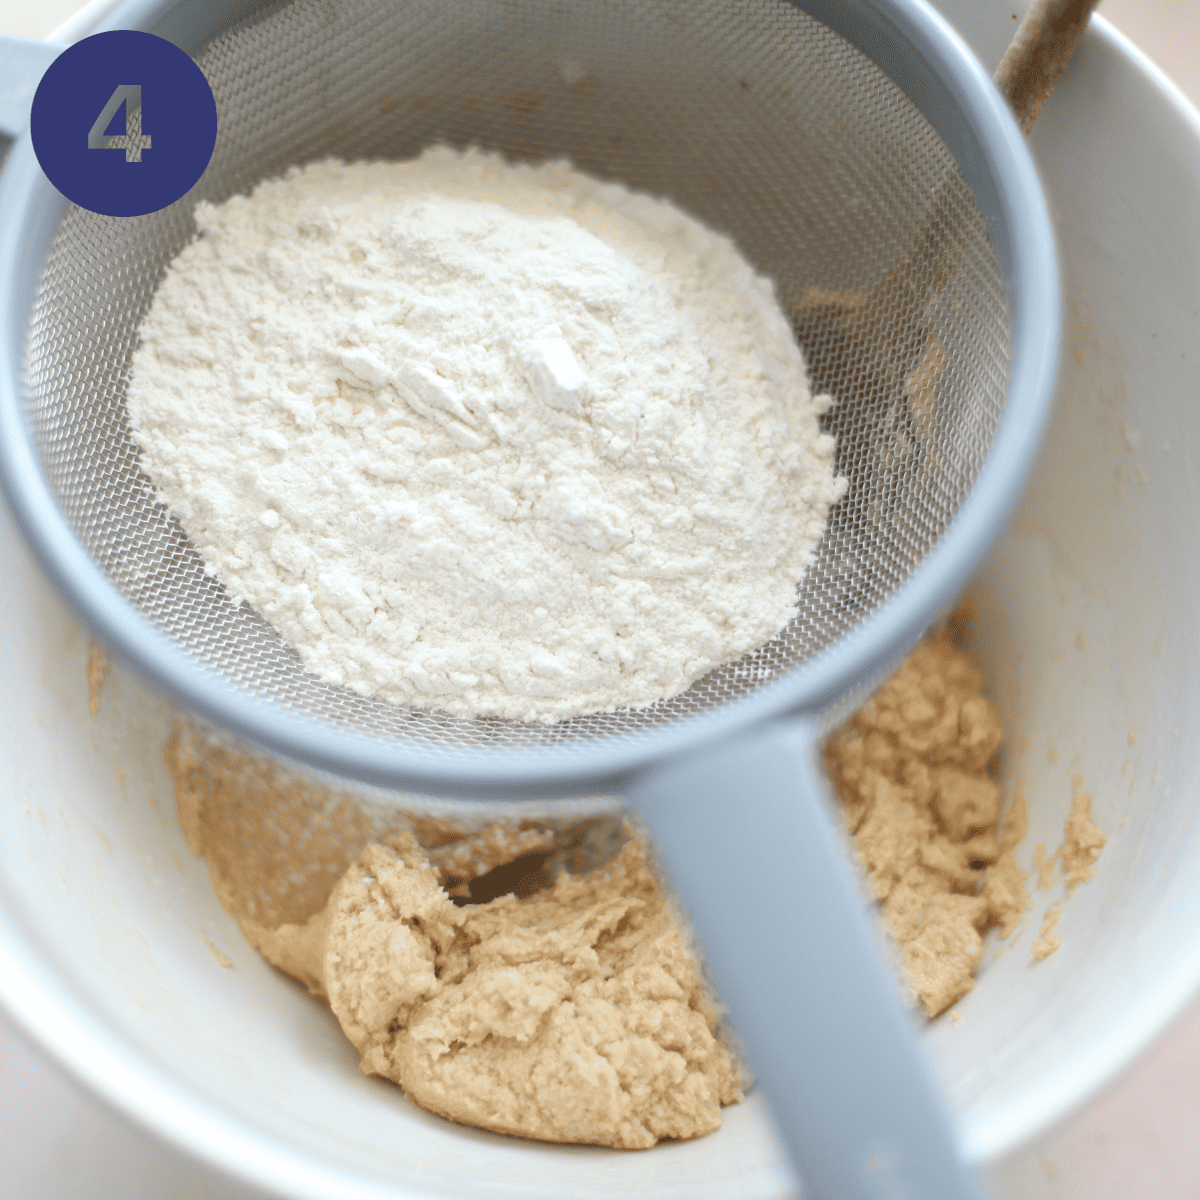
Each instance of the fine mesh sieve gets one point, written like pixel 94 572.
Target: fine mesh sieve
pixel 857 155
pixel 763 122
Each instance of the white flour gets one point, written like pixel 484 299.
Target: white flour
pixel 497 440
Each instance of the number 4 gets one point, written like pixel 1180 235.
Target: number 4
pixel 133 143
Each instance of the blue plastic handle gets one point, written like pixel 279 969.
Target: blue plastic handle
pixel 749 838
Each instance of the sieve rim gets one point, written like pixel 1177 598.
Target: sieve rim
pixel 926 58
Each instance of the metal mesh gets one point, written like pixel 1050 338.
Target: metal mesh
pixel 753 116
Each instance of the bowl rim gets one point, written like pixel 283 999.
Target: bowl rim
pixel 1069 1087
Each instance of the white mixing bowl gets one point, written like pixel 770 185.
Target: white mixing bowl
pixel 1085 630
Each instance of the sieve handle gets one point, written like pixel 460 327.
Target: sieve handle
pixel 748 836
pixel 22 64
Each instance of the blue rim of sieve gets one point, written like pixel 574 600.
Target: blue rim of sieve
pixel 923 55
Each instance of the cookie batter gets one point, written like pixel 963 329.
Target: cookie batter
pixel 1082 841
pixel 575 1015
pixel 912 772
pixel 571 1009
pixel 1081 846
pixel 505 980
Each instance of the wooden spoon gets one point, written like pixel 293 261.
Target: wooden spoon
pixel 868 348
pixel 1042 47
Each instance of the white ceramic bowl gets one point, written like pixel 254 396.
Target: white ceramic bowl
pixel 1085 629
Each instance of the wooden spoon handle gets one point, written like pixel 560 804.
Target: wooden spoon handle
pixel 1042 47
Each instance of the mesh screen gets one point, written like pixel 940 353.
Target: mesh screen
pixel 752 115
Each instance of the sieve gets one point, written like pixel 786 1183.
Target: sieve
pixel 852 148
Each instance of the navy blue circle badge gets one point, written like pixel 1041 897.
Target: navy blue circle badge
pixel 123 123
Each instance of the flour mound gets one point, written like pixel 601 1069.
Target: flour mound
pixel 497 440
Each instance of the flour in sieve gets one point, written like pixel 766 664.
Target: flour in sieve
pixel 491 439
